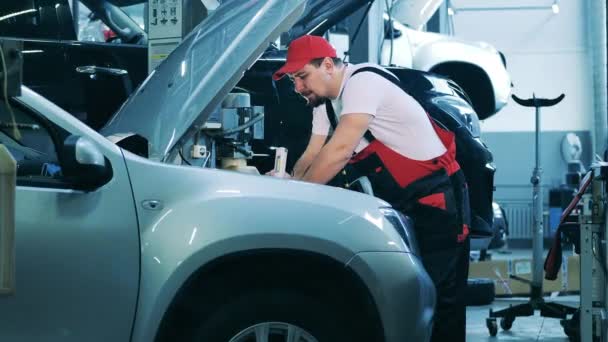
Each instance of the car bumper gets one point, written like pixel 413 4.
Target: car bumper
pixel 402 290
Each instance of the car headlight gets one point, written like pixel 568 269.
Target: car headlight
pixel 404 226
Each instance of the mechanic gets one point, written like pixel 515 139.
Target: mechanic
pixel 385 134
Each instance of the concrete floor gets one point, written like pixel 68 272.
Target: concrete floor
pixel 534 328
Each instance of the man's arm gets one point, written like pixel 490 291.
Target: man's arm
pixel 315 144
pixel 338 151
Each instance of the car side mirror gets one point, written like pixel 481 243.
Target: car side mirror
pixel 8 179
pixel 83 164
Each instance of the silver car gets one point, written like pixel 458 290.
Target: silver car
pixel 112 246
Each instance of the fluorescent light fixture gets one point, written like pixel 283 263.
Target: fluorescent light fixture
pixel 17 14
pixel 316 27
pixel 425 8
pixel 555 7
pixel 192 236
pixel 183 66
pixel 211 5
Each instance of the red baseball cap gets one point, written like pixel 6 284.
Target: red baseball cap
pixel 303 50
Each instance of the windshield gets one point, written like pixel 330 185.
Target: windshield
pixel 185 87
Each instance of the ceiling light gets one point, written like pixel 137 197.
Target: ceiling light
pixel 555 7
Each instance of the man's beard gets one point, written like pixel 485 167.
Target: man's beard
pixel 313 100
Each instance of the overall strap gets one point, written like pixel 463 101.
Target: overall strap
pixel 381 73
pixel 331 115
pixel 395 80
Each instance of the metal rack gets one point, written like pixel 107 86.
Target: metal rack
pixel 594 261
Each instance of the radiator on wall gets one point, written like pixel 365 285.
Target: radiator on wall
pixel 519 216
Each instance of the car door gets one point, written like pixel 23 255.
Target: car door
pixel 77 252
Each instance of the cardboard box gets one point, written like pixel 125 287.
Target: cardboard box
pixel 523 269
pixel 568 279
pixel 574 273
pixel 497 270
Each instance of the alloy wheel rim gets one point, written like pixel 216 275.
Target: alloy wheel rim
pixel 273 331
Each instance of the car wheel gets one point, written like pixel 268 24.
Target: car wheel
pixel 279 315
pixel 480 291
pixel 501 230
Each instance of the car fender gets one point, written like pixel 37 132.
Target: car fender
pixel 190 217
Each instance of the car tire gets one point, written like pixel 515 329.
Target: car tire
pixel 318 317
pixel 480 291
pixel 501 230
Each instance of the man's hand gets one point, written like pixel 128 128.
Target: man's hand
pixel 338 151
pixel 315 144
pixel 273 173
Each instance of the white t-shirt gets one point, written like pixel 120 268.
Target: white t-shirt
pixel 398 120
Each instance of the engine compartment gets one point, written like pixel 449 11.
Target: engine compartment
pixel 260 115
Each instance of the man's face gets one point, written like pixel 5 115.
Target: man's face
pixel 311 82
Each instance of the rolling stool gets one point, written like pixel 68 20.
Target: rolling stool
pixel 536 302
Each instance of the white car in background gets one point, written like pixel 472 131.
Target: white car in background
pixel 477 67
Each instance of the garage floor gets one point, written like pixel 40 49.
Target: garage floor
pixel 533 328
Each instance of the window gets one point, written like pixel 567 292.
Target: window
pixel 32 141
pixel 92 29
pixel 36 19
pixel 17 17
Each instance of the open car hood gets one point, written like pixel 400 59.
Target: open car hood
pixel 415 13
pixel 320 15
pixel 183 90
pixel 126 2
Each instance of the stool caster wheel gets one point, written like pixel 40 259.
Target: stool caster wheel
pixel 492 326
pixel 506 323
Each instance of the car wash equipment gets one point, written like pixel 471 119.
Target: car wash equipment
pixel 536 301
